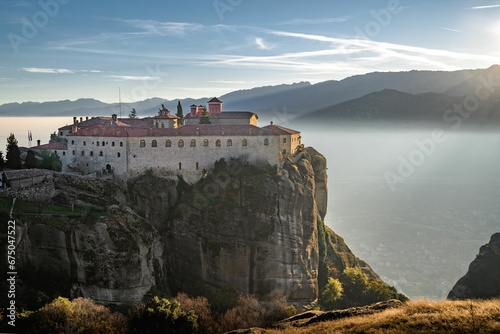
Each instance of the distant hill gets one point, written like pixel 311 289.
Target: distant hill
pixel 303 98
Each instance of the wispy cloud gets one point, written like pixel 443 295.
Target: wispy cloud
pixel 48 70
pixel 450 29
pixel 262 45
pixel 315 21
pixel 485 7
pixel 132 78
pixel 56 70
pixel 152 27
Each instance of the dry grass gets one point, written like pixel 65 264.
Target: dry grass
pixel 421 316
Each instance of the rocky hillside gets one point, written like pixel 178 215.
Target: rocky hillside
pixel 242 228
pixel 483 278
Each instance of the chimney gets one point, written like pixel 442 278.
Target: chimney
pixel 87 118
pixel 197 131
pixel 272 123
pixel 74 120
pixel 193 110
pixel 38 142
pixel 114 117
pixel 81 119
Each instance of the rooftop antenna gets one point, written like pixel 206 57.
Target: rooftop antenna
pixel 120 101
pixel 30 138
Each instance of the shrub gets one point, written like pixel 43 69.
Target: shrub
pixel 162 316
pixel 332 295
pixel 201 307
pixel 81 315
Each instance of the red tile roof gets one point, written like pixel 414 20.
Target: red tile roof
pixel 23 174
pixel 186 130
pixel 281 130
pixel 51 146
pixel 215 100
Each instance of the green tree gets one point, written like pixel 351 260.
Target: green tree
pixel 355 283
pixel 180 113
pixel 2 162
pixel 205 117
pixel 332 295
pixel 133 113
pixel 30 161
pixel 51 160
pixel 13 153
pixel 162 316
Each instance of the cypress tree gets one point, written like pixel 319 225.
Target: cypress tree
pixel 180 113
pixel 13 153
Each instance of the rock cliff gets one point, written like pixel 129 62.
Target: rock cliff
pixel 483 278
pixel 242 228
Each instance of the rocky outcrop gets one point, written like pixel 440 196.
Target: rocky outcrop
pixel 483 278
pixel 241 229
pixel 115 259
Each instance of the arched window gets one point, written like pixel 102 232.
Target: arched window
pixel 97 143
pixel 193 142
pixel 121 144
pixel 284 140
pixel 197 166
pixel 113 144
pixel 180 166
pixel 84 143
pixel 74 152
pixel 244 142
pixel 284 151
pixel 118 154
pixel 168 143
pixel 205 142
pixel 154 143
pixel 72 142
pixel 103 143
pixel 217 142
pixel 142 144
pixel 229 142
pixel 266 142
pixel 101 154
pixel 91 153
pixel 83 153
pixel 181 144
pixel 64 153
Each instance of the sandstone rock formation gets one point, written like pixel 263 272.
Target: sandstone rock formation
pixel 243 228
pixel 483 278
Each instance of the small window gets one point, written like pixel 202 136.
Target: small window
pixel 284 151
pixel 266 142
pixel 168 143
pixel 217 142
pixel 83 153
pixel 97 143
pixel 143 143
pixel 229 142
pixel 181 144
pixel 156 124
pixel 101 154
pixel 193 142
pixel 60 134
pixel 205 142
pixel 180 166
pixel 64 153
pixel 74 153
pixel 284 140
pixel 72 142
pixel 118 154
pixel 84 143
pixel 103 144
pixel 121 144
pixel 113 144
pixel 91 153
pixel 197 166
pixel 244 142
pixel 162 125
pixel 154 143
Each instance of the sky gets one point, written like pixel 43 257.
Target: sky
pixel 54 50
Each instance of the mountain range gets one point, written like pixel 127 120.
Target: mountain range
pixel 413 96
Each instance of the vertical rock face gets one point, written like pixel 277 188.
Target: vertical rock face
pixel 483 278
pixel 247 229
pixel 117 259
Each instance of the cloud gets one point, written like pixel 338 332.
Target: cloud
pixel 485 7
pixel 132 78
pixel 48 70
pixel 315 21
pixel 56 70
pixel 152 27
pixel 261 44
pixel 450 29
